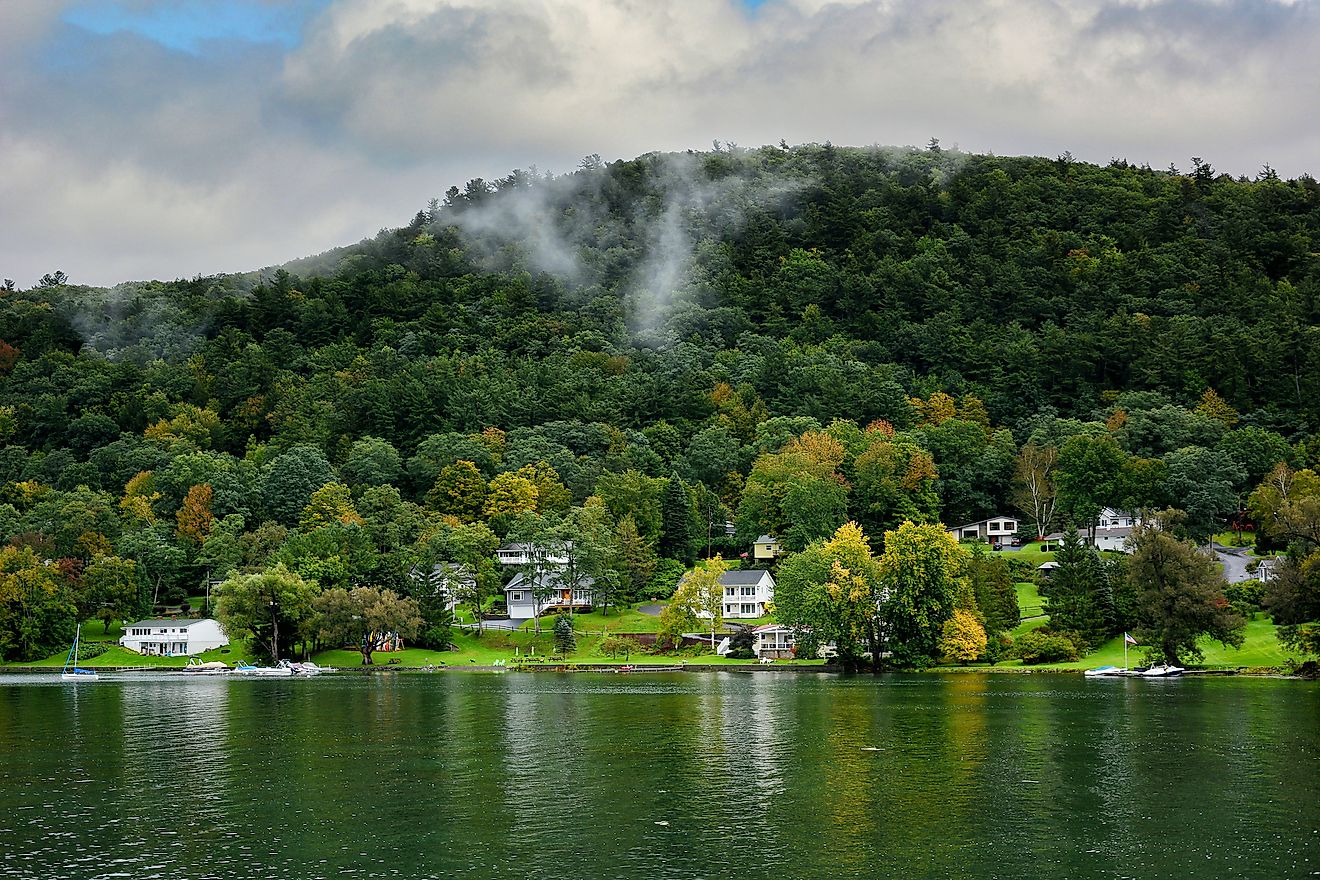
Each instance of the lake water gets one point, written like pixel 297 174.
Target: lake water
pixel 684 775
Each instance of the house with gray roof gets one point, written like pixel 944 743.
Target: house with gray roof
pixel 747 593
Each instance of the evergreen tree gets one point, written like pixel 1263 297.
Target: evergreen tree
pixel 677 533
pixel 565 640
pixel 1075 588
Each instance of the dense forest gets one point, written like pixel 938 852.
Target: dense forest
pixel 782 338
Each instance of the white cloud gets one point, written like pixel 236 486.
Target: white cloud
pixel 126 160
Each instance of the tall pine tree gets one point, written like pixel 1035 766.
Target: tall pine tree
pixel 676 525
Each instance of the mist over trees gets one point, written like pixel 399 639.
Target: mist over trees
pixel 789 339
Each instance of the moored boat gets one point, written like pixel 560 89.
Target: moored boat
pixel 1106 672
pixel 244 668
pixel 1162 671
pixel 71 672
pixel 211 667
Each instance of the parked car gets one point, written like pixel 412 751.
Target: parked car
pixel 1017 542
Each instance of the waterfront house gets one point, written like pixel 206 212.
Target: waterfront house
pixel 173 638
pixel 774 641
pixel 996 529
pixel 528 598
pixel 747 593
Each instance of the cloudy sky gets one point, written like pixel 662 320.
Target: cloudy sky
pixel 170 138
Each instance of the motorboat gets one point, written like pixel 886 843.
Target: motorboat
pixel 1106 672
pixel 211 667
pixel 1162 671
pixel 305 668
pixel 245 668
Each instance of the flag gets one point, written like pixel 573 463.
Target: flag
pixel 1128 640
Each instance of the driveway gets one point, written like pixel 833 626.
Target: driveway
pixel 1234 560
pixel 651 610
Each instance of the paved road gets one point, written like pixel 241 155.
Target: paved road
pixel 1234 560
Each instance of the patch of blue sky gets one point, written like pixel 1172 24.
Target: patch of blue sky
pixel 187 25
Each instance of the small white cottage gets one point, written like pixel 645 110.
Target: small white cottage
pixel 171 638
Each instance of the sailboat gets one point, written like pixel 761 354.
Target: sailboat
pixel 71 671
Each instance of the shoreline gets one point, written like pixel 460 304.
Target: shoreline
pixel 659 668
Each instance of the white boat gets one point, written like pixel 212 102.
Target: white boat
pixel 1106 672
pixel 244 668
pixel 213 667
pixel 1162 671
pixel 71 672
pixel 305 668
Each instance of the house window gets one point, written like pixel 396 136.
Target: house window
pixel 728 609
pixel 748 608
pixel 749 591
pixel 730 591
pixel 515 597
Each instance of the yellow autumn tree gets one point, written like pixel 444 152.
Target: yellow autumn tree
pixel 963 638
pixel 510 493
pixel 1215 407
pixel 139 496
pixel 194 517
pixel 330 504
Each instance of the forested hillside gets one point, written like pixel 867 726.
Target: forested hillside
pixel 787 338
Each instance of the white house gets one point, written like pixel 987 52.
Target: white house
pixel 1114 538
pixel 1267 569
pixel 523 554
pixel 1112 518
pixel 527 599
pixel 766 547
pixel 448 578
pixel 173 637
pixel 774 640
pixel 746 593
pixel 988 531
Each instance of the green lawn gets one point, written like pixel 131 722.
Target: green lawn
pixel 118 656
pixel 624 619
pixel 1260 649
pixel 1028 553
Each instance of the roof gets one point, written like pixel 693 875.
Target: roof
pixel 551 580
pixel 182 621
pixel 1114 532
pixel 981 522
pixel 767 539
pixel 771 627
pixel 743 577
pixel 1048 565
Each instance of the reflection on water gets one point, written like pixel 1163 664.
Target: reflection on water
pixel 728 775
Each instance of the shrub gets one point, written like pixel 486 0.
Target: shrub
pixel 664 580
pixel 613 646
pixel 88 650
pixel 741 643
pixel 999 646
pixel 1042 646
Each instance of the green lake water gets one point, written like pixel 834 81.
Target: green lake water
pixel 684 775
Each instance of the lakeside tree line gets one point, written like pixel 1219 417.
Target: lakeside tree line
pixel 634 354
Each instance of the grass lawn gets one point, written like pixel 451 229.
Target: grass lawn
pixel 622 619
pixel 1260 649
pixel 1027 552
pixel 118 656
